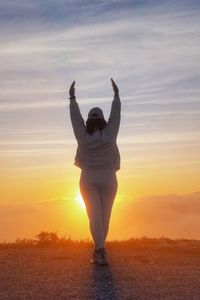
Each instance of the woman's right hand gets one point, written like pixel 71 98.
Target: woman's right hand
pixel 115 88
pixel 72 90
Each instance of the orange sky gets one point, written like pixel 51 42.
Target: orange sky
pixel 49 199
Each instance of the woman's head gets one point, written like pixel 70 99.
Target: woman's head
pixel 95 120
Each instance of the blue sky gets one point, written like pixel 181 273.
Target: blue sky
pixel 150 48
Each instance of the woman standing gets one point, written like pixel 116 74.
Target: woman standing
pixel 98 157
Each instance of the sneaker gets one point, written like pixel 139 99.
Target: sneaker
pixel 100 257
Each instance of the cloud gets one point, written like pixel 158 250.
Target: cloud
pixel 151 48
pixel 174 216
pixel 37 217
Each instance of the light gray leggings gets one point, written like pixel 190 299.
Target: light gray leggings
pixel 98 187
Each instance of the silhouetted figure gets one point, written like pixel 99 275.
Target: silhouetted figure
pixel 98 157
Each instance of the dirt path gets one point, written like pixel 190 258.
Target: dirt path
pixel 159 271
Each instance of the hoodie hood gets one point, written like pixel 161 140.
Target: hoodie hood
pixel 97 111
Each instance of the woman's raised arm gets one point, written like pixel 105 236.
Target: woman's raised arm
pixel 75 114
pixel 115 114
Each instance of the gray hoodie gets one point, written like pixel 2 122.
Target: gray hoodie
pixel 98 149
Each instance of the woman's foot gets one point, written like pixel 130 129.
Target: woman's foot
pixel 100 257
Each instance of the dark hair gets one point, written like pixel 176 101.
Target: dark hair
pixel 91 123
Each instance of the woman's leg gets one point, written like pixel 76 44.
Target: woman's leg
pixel 92 199
pixel 108 193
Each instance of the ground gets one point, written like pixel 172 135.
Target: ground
pixel 138 270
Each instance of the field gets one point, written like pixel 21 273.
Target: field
pixel 139 269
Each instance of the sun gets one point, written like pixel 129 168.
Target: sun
pixel 80 200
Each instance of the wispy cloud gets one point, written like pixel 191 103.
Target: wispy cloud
pixel 151 48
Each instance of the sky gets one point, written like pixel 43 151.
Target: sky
pixel 152 51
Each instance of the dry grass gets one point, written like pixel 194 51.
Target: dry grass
pixel 44 239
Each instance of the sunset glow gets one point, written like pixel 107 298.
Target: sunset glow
pixel 80 201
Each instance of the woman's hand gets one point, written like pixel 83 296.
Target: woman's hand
pixel 115 88
pixel 72 90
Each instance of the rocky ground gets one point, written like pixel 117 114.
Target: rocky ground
pixel 138 270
